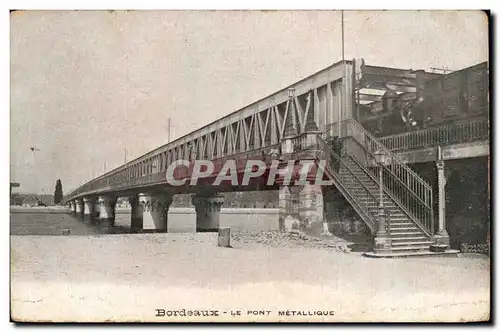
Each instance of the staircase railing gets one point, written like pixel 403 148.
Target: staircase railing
pixel 334 163
pixel 448 134
pixel 404 185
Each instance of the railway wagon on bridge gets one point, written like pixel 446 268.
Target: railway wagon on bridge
pixel 457 97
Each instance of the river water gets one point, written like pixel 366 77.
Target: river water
pixel 54 224
pixel 179 221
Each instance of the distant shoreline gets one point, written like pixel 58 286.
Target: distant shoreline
pixel 39 209
pixel 125 210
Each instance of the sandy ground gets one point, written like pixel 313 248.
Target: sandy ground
pixel 126 277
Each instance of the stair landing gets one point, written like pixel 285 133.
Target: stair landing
pixel 420 253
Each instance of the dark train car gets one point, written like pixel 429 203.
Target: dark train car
pixel 456 97
pixel 462 95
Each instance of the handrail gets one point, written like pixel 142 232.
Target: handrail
pixel 388 170
pixel 406 186
pixel 329 152
pixel 389 194
pixel 447 134
pixel 379 146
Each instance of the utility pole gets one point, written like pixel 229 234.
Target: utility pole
pixel 342 25
pixel 33 150
pixel 168 130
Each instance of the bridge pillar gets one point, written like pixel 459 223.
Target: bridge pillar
pixel 79 207
pixel 207 212
pixel 288 212
pixel 89 207
pixel 311 206
pixel 441 237
pixel 154 210
pixel 107 210
pixel 73 207
pixel 135 213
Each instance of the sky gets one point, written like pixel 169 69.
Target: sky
pixel 89 87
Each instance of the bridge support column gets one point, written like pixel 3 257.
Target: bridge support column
pixel 135 214
pixel 154 208
pixel 311 207
pixel 107 210
pixel 72 207
pixel 441 237
pixel 287 214
pixel 89 207
pixel 207 212
pixel 79 207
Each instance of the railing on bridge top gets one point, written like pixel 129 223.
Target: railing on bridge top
pixel 407 188
pixel 443 135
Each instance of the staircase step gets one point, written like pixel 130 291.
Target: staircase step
pixel 412 244
pixel 361 176
pixel 362 191
pixel 410 249
pixel 406 229
pixel 392 215
pixel 405 221
pixel 356 184
pixel 365 180
pixel 406 233
pixel 396 219
pixel 413 239
pixel 387 204
pixel 400 225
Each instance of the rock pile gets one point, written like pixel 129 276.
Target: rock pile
pixel 290 239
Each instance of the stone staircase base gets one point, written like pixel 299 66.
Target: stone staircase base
pixel 421 253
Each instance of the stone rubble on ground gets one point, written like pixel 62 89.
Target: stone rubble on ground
pixel 291 238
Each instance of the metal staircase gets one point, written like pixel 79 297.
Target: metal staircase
pixel 407 198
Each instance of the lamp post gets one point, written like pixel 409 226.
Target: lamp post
pixel 382 239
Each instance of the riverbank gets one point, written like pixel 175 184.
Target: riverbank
pixel 126 277
pixel 40 209
pixel 52 221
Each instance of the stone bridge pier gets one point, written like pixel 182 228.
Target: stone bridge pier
pixel 89 208
pixel 311 207
pixel 150 211
pixel 135 213
pixel 207 211
pixel 107 211
pixel 72 207
pixel 79 207
pixel 301 207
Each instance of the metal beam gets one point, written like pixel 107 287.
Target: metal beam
pixel 369 97
pixel 389 72
pixel 391 86
pixel 450 152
